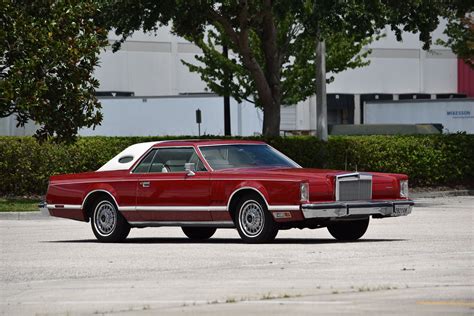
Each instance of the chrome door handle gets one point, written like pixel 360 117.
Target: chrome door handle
pixel 145 184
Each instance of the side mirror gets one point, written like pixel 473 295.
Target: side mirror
pixel 190 168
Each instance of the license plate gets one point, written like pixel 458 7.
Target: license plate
pixel 401 210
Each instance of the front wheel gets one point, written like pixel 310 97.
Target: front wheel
pixel 107 223
pixel 348 230
pixel 254 222
pixel 198 233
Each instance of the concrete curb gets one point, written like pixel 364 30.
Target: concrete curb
pixel 37 215
pixel 439 194
pixel 418 195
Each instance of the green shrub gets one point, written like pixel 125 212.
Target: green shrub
pixel 25 165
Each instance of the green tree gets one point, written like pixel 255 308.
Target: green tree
pixel 460 32
pixel 274 42
pixel 49 49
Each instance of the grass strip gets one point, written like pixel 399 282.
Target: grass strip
pixel 18 204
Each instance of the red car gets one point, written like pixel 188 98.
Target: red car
pixel 202 185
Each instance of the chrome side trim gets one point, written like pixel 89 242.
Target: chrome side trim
pixel 157 179
pixel 342 209
pixel 283 207
pixel 127 208
pixel 64 206
pixel 201 208
pixel 170 208
pixel 178 208
pixel 221 224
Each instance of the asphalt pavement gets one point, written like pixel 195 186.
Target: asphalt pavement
pixel 419 264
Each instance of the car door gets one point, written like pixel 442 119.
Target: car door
pixel 166 192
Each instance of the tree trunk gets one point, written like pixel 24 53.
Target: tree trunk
pixel 271 119
pixel 272 53
pixel 268 95
pixel 267 82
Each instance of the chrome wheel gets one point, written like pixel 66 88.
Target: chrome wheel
pixel 105 218
pixel 251 218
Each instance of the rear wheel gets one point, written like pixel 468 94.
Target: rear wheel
pixel 349 230
pixel 107 223
pixel 253 220
pixel 198 233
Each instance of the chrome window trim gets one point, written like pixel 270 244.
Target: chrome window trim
pixel 296 165
pixel 163 147
pixel 132 169
pixel 206 164
pixel 284 156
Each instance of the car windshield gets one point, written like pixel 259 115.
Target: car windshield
pixel 244 156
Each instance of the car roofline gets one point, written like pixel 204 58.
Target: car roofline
pixel 207 142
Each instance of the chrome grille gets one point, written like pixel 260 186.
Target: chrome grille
pixel 353 187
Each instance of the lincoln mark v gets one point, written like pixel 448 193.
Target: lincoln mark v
pixel 203 185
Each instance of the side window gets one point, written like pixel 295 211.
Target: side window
pixel 174 159
pixel 144 165
pixel 197 162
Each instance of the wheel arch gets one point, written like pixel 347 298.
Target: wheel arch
pixel 92 197
pixel 239 193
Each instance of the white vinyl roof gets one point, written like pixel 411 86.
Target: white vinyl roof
pixel 135 151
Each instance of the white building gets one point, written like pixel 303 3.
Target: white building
pixel 150 67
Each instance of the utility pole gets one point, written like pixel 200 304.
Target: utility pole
pixel 321 99
pixel 199 121
pixel 227 131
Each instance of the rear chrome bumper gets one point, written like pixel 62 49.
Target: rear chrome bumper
pixel 43 207
pixel 348 208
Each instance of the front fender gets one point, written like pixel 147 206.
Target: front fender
pixel 249 185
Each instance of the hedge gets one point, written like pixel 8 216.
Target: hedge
pixel 433 160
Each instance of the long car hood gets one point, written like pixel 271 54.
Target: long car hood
pixel 308 173
pixel 322 181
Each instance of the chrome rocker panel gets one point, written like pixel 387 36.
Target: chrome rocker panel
pixel 349 208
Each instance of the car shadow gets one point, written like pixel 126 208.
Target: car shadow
pixel 168 240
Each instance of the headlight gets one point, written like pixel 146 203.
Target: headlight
pixel 404 188
pixel 304 192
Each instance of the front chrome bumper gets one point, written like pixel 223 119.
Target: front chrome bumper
pixel 348 208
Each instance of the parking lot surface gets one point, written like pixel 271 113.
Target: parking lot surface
pixel 419 264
